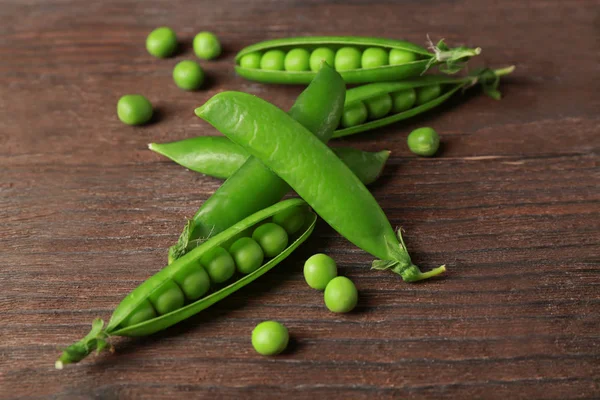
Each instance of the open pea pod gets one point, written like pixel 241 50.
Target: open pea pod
pixel 357 59
pixel 379 104
pixel 154 305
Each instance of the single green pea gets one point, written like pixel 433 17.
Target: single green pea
pixel 161 42
pixel 143 312
pixel 218 264
pixel 379 106
pixel 423 141
pixel 398 56
pixel 188 75
pixel 297 60
pixel 347 58
pixel 206 45
pixel 270 338
pixel 271 237
pixel 168 298
pixel 291 219
pixel 403 100
pixel 247 254
pixel 319 270
pixel 251 60
pixel 319 55
pixel 340 295
pixel 374 57
pixel 196 284
pixel 355 114
pixel 427 93
pixel 134 109
pixel 273 60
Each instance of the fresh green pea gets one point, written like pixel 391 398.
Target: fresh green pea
pixel 143 312
pixel 161 42
pixel 273 60
pixel 270 338
pixel 340 295
pixel 347 58
pixel 398 56
pixel 196 284
pixel 168 298
pixel 247 254
pixel 206 45
pixel 188 75
pixel 219 264
pixel 354 114
pixel 374 57
pixel 379 106
pixel 291 219
pixel 403 100
pixel 251 60
pixel 297 60
pixel 134 109
pixel 319 55
pixel 423 141
pixel 319 270
pixel 427 93
pixel 272 238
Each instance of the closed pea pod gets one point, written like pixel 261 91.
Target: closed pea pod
pixel 412 97
pixel 219 157
pixel 358 59
pixel 294 154
pixel 134 316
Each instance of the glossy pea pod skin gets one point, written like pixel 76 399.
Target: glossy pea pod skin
pixel 315 173
pixel 143 299
pixel 423 94
pixel 219 157
pixel 355 51
pixel 254 186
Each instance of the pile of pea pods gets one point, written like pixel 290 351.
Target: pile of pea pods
pixel 245 228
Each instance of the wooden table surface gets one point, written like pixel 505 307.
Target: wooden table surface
pixel 511 205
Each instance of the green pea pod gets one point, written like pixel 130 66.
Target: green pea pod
pixel 422 59
pixel 219 157
pixel 315 173
pixel 488 79
pixel 253 186
pixel 148 292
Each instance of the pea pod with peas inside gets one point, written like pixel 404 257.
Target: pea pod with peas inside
pixel 357 59
pixel 219 157
pixel 315 173
pixel 254 186
pixel 379 104
pixel 181 289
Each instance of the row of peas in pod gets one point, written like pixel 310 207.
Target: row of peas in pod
pixel 244 255
pixel 342 59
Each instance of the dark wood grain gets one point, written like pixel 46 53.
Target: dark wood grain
pixel 512 206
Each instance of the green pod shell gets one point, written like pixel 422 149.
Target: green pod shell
pixel 219 157
pixel 137 300
pixel 360 75
pixel 487 78
pixel 334 192
pixel 157 281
